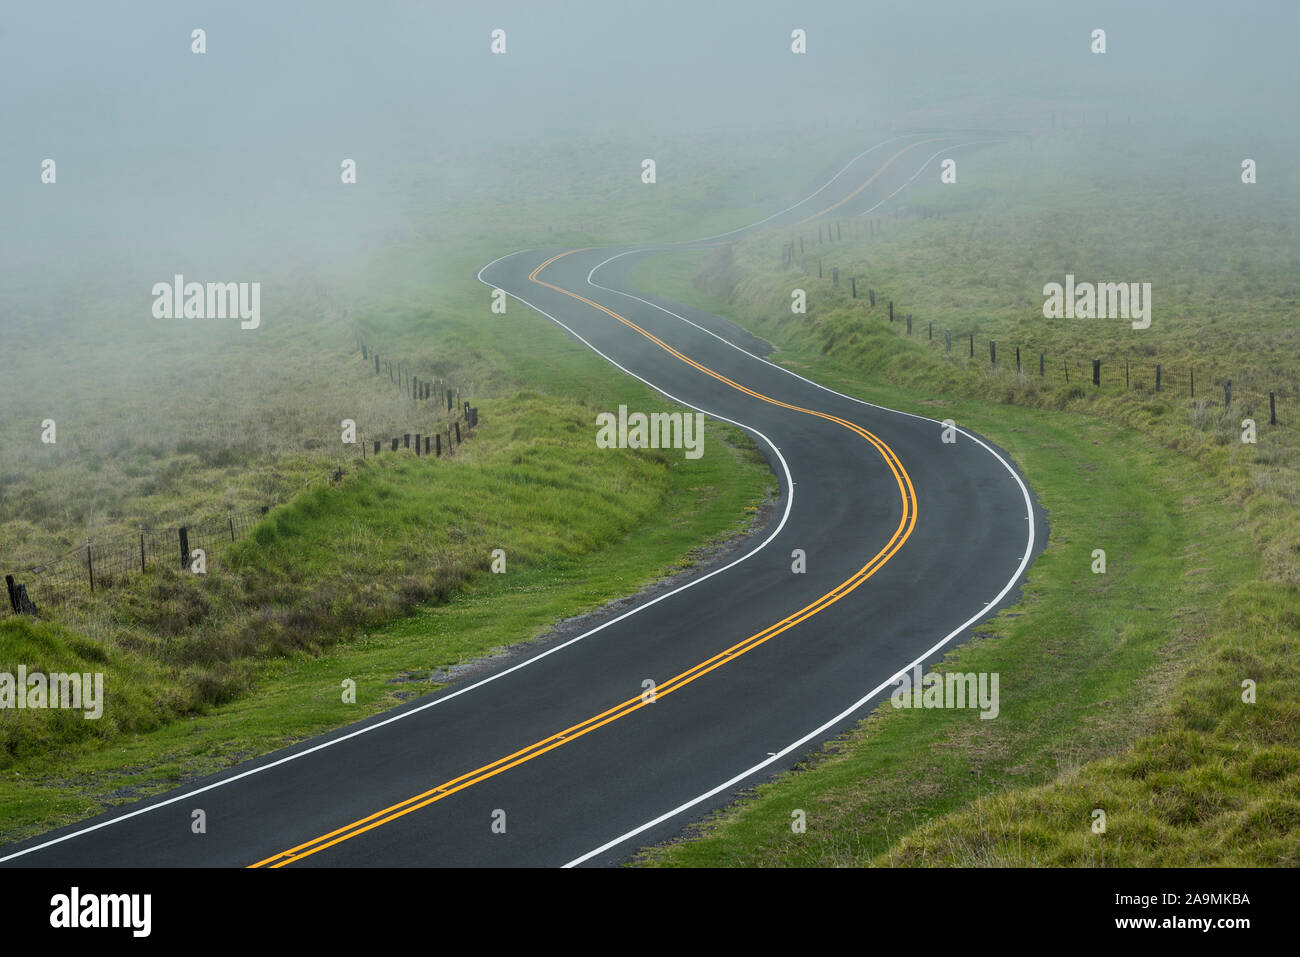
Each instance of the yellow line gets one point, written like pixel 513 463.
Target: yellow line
pixel 907 522
pixel 884 167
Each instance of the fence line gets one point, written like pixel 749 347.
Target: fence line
pixel 1105 371
pixel 97 566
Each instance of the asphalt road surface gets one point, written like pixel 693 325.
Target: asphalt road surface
pixel 909 543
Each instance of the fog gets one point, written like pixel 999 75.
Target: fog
pixel 228 163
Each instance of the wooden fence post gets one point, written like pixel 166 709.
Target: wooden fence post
pixel 854 281
pixel 1272 409
pixel 185 547
pixel 1042 364
pixel 891 310
pixel 13 593
pixel 947 340
pixel 1096 372
pixel 142 551
pixel 993 353
pixel 437 445
pixel 1227 393
pixel 1018 369
pixel 909 323
pixel 90 567
pixel 1157 376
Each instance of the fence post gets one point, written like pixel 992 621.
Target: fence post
pixel 185 547
pixel 972 345
pixel 947 340
pixel 376 363
pixel 426 446
pixel 931 331
pixel 1126 372
pixel 1227 393
pixel 871 297
pixel 835 275
pixel 142 551
pixel 854 281
pixel 993 353
pixel 90 567
pixel 838 233
pixel 1191 380
pixel 909 323
pixel 1042 364
pixel 231 522
pixel 437 445
pixel 458 432
pixel 395 443
pixel 448 400
pixel 1096 372
pixel 376 446
pixel 1157 376
pixel 1066 363
pixel 1272 410
pixel 819 267
pixel 406 440
pixel 891 310
pixel 1018 369
pixel 13 593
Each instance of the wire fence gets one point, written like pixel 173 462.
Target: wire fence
pixel 1268 394
pixel 100 566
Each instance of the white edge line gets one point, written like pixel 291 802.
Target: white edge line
pixel 501 674
pixel 861 702
pixel 416 710
pixel 867 212
pixel 767 219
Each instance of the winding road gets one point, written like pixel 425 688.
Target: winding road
pixel 909 543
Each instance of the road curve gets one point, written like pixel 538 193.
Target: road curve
pixel 909 542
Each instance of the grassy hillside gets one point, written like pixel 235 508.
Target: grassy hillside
pixel 1121 692
pixel 383 576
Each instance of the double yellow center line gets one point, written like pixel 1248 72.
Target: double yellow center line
pixel 906 523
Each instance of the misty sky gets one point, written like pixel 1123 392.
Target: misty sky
pixel 159 149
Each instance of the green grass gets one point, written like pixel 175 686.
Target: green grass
pixel 1120 692
pixel 384 576
pixel 643 516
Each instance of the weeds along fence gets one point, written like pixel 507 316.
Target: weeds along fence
pixel 99 566
pixel 1212 386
